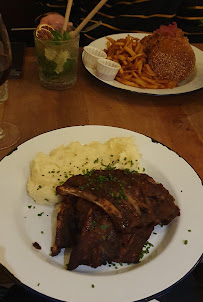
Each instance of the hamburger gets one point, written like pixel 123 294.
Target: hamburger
pixel 169 53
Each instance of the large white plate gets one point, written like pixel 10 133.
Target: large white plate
pixel 193 82
pixel 169 260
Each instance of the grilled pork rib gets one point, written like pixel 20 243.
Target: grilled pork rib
pixel 96 239
pixel 130 199
pixel 65 228
pixel 108 215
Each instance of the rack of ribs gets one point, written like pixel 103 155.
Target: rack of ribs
pixel 108 215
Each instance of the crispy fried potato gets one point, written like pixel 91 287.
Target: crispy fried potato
pixel 134 71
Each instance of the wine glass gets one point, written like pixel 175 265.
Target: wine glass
pixel 9 133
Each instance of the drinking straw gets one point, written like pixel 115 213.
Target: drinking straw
pixel 86 20
pixel 67 15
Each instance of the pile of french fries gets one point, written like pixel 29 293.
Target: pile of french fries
pixel 134 69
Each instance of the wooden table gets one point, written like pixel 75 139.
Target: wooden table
pixel 176 121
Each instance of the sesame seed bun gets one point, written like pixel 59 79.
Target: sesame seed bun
pixel 172 59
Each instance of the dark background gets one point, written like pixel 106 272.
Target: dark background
pixel 19 13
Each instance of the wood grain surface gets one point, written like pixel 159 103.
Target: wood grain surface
pixel 176 121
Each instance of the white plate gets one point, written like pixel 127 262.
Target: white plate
pixel 169 260
pixel 193 82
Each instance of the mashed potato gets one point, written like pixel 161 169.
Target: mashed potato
pixel 50 170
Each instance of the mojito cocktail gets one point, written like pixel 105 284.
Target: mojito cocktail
pixel 57 57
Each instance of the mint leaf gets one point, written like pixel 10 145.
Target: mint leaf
pixel 68 65
pixel 57 36
pixel 66 36
pixel 48 67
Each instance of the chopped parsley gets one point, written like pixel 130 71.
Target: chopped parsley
pixel 40 214
pixel 146 249
pixel 104 226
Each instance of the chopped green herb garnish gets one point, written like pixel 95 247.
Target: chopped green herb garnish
pixel 131 163
pixel 189 231
pixel 185 241
pixel 104 226
pixel 92 285
pixel 40 214
pixel 146 248
pixel 29 207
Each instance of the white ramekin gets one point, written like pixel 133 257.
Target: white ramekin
pixel 90 56
pixel 107 69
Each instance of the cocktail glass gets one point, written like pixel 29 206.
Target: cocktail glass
pixel 57 62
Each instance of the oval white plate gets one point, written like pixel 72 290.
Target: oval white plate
pixel 168 261
pixel 193 82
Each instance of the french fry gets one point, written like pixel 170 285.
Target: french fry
pixel 139 81
pixel 121 70
pixel 149 70
pixel 120 43
pixel 108 44
pixel 130 51
pixel 134 71
pixel 111 40
pixel 148 80
pixel 139 66
pixel 127 82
